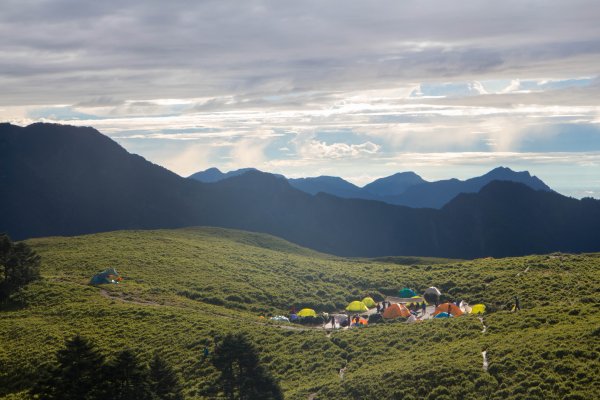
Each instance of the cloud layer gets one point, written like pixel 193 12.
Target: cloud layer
pixel 352 88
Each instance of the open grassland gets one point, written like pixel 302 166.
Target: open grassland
pixel 184 288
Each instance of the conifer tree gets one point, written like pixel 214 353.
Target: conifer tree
pixel 242 377
pixel 163 380
pixel 19 265
pixel 76 376
pixel 125 378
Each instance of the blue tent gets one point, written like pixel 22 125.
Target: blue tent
pixel 406 293
pixel 109 275
pixel 443 315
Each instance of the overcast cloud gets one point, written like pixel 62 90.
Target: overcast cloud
pixel 352 88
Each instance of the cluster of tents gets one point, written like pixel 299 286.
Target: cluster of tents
pixel 405 306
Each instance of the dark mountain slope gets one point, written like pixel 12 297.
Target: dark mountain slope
pixel 436 194
pixel 212 175
pixel 394 184
pixel 60 180
pixel 404 188
pixel 330 184
pixel 510 218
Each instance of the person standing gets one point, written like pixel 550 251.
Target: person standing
pixel 517 304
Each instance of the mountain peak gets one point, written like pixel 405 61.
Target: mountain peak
pixel 394 184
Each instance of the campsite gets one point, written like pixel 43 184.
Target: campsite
pixel 165 303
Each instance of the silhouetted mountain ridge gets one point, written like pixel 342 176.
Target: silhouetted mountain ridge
pixel 403 188
pixel 63 180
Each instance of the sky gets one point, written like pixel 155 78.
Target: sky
pixel 347 88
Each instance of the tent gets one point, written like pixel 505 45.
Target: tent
pixel 369 302
pixel 280 318
pixel 443 315
pixel 432 295
pixel 406 293
pixel 109 275
pixel 307 312
pixel 357 306
pixel 478 309
pixel 417 300
pixel 449 308
pixel 362 321
pixel 412 319
pixel 465 307
pixel 395 311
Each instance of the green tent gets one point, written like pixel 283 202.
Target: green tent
pixel 109 275
pixel 407 293
pixel 369 302
pixel 357 306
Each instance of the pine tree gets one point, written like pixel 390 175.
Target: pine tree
pixel 125 378
pixel 75 377
pixel 19 265
pixel 163 380
pixel 242 377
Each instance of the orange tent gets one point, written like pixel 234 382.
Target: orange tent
pixel 395 311
pixel 449 308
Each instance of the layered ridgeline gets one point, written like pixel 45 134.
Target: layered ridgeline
pixel 62 180
pixel 403 188
pixel 182 289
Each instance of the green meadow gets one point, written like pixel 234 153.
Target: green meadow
pixel 184 289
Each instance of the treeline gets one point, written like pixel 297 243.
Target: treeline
pixel 19 265
pixel 83 373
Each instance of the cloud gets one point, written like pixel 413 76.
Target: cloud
pixel 67 52
pixel 318 149
pixel 314 85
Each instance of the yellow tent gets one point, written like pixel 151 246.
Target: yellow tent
pixel 369 302
pixel 307 312
pixel 357 306
pixel 478 309
pixel 417 302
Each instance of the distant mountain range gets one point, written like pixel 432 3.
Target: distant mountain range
pixel 64 180
pixel 404 188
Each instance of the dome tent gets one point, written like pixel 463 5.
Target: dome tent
pixel 406 293
pixel 307 312
pixel 369 302
pixel 449 308
pixel 109 275
pixel 395 311
pixel 357 306
pixel 432 295
pixel 478 309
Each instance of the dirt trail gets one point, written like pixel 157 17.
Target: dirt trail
pixel 484 330
pixel 485 360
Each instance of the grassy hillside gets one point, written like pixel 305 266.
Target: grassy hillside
pixel 185 288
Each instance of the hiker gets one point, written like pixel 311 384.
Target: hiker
pixel 205 352
pixel 349 321
pixel 378 308
pixel 332 320
pixel 517 304
pixel 423 307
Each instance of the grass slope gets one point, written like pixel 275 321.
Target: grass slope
pixel 184 288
